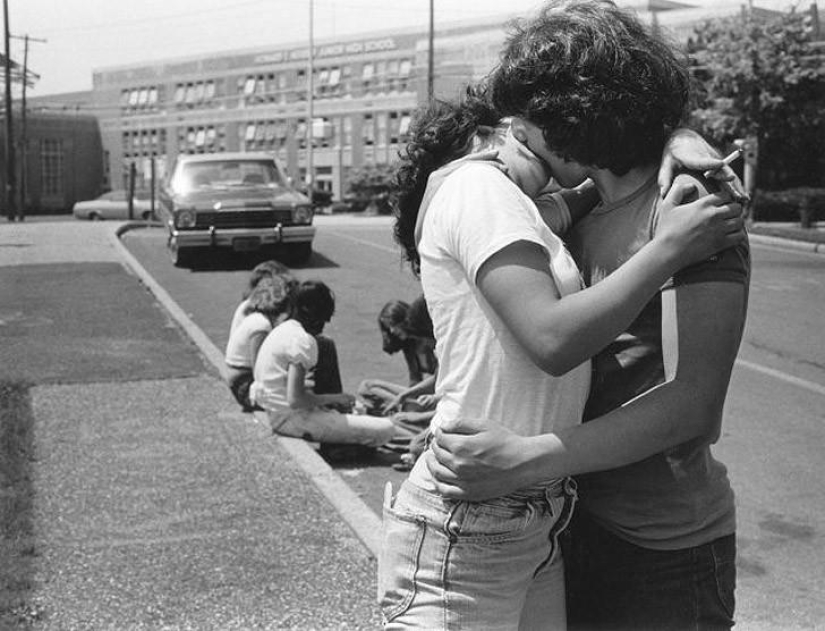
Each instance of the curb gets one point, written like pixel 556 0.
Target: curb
pixel 787 244
pixel 353 510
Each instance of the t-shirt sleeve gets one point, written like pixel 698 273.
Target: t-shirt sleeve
pixel 554 211
pixel 303 350
pixel 474 224
pixel 731 265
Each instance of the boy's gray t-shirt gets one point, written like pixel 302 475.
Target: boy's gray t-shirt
pixel 682 497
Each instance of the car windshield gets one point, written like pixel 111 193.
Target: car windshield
pixel 199 176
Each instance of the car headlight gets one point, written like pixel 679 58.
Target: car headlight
pixel 302 214
pixel 185 219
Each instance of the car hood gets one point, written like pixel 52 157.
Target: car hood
pixel 241 198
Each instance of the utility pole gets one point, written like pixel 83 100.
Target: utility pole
pixel 310 177
pixel 431 60
pixel 24 142
pixel 9 192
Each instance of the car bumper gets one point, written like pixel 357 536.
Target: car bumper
pixel 241 238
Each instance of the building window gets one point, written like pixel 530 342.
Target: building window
pixel 51 166
pixel 368 130
pixel 399 126
pixel 381 119
pixel 404 128
pixel 346 124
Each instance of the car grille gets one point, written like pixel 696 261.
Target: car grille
pixel 243 219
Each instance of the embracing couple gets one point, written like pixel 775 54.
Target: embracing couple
pixel 618 300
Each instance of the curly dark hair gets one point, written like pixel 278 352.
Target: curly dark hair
pixel 440 133
pixel 605 91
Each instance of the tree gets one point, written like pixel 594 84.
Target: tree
pixel 370 186
pixel 765 77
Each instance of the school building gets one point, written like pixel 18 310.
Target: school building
pixel 365 89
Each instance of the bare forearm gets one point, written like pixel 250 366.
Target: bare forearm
pixel 580 325
pixel 663 417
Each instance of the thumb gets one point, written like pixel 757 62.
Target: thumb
pixel 463 426
pixel 677 194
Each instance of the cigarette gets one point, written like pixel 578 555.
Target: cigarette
pixel 726 161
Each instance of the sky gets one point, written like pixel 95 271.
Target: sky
pixel 84 35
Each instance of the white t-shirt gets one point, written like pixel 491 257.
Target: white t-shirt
pixel 484 374
pixel 239 315
pixel 252 329
pixel 288 343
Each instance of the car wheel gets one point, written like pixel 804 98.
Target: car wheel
pixel 298 253
pixel 95 217
pixel 182 257
pixel 147 215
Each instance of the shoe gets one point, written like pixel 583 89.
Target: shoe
pixel 342 452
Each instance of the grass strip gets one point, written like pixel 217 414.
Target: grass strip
pixel 17 546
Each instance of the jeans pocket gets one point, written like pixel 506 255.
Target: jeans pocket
pixel 724 561
pixel 398 561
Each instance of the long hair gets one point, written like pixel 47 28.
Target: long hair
pixel 392 314
pixel 266 269
pixel 271 297
pixel 440 133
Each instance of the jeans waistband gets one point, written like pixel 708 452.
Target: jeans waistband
pixel 553 488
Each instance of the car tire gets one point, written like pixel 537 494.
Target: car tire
pixel 298 253
pixel 95 217
pixel 147 215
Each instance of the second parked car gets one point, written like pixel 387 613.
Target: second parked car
pixel 237 201
pixel 114 205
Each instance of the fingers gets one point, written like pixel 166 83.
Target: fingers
pixel 463 426
pixel 735 189
pixel 667 172
pixel 676 194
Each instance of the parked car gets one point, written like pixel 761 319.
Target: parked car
pixel 243 202
pixel 114 205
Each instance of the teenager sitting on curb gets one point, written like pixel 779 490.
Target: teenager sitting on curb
pixel 406 328
pixel 262 310
pixel 287 356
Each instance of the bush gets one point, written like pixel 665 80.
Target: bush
pixel 788 205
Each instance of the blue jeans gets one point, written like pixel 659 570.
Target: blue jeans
pixel 617 586
pixel 493 565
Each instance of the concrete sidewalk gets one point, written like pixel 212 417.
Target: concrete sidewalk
pixel 157 505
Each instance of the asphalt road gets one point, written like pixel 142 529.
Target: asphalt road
pixel 774 428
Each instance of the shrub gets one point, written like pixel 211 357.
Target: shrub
pixel 787 205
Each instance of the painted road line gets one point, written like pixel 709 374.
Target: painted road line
pixel 377 246
pixel 778 374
